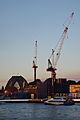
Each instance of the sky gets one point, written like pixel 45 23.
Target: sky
pixel 22 22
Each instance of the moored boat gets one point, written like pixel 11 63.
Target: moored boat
pixel 59 101
pixel 55 101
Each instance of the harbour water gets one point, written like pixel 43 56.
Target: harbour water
pixel 38 111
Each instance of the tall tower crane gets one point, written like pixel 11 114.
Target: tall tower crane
pixel 35 61
pixel 53 59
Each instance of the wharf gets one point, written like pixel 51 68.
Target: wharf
pixel 22 101
pixel 36 100
pixel 29 100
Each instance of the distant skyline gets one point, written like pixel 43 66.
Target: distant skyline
pixel 22 22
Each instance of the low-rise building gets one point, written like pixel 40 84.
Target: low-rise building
pixel 74 90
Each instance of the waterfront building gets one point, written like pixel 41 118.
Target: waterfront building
pixel 18 87
pixel 74 90
pixel 35 89
pixel 60 87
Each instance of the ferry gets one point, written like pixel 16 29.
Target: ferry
pixel 55 101
pixel 59 101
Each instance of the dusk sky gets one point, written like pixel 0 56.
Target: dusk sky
pixel 22 22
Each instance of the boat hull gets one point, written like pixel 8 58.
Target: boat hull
pixel 69 103
pixel 59 101
pixel 54 103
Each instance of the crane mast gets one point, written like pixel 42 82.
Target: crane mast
pixel 35 61
pixel 56 53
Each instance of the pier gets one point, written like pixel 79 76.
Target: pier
pixel 22 101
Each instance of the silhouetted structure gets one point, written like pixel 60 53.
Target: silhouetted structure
pixel 60 87
pixel 16 87
pixel 17 82
pixel 36 88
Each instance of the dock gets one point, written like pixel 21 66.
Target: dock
pixel 22 101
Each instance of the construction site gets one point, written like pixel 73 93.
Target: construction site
pixel 55 55
pixel 18 87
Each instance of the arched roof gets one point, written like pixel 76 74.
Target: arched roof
pixel 16 81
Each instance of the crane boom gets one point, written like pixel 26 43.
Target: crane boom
pixel 61 40
pixel 57 51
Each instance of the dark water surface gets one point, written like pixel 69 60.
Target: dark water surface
pixel 38 111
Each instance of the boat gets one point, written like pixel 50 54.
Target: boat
pixel 59 101
pixel 55 101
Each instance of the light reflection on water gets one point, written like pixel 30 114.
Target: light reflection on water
pixel 34 111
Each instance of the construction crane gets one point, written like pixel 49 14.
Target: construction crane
pixel 54 57
pixel 35 61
